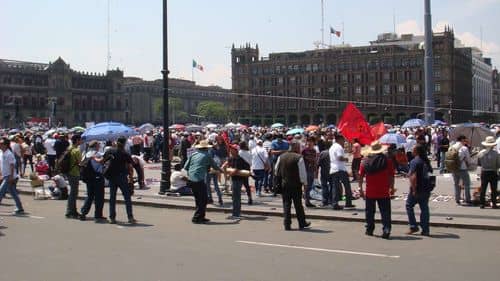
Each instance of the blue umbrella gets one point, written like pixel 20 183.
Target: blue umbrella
pixel 277 125
pixel 107 131
pixel 295 131
pixel 146 127
pixel 412 123
pixel 439 123
pixel 392 138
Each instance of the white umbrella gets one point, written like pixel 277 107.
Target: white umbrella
pixel 474 132
pixel 211 126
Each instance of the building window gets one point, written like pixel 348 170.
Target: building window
pixel 387 89
pixel 401 88
pixel 437 87
pixel 357 77
pixel 357 90
pixel 387 76
pixel 416 88
pixel 372 90
pixel 437 73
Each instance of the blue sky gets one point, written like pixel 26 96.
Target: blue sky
pixel 204 30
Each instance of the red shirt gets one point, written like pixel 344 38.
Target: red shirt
pixel 378 184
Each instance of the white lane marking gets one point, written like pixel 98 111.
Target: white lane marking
pixel 319 249
pixel 120 227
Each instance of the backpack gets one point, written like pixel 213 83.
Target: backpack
pixel 425 182
pixel 87 172
pixel 63 164
pixel 375 163
pixel 452 160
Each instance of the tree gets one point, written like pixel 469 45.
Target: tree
pixel 212 110
pixel 175 109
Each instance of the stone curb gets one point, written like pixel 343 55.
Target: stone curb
pixel 279 214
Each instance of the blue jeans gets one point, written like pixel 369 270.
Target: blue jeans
pixel 338 178
pixel 213 177
pixel 259 180
pixel 384 206
pixel 442 156
pixel 95 193
pixel 119 181
pixel 309 186
pixel 4 187
pixel 326 188
pixel 422 199
pixel 236 186
pixel 464 176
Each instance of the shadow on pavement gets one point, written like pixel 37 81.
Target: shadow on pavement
pixel 222 223
pixel 134 225
pixel 315 230
pixel 254 218
pixel 443 235
pixel 405 238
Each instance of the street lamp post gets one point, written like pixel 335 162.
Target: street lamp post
pixel 428 67
pixel 165 170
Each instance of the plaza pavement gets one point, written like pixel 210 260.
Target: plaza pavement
pixel 443 209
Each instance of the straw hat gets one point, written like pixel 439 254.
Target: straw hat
pixel 375 148
pixel 203 144
pixel 489 141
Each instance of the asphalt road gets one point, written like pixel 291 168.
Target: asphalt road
pixel 165 245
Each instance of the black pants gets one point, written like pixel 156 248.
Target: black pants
pixel 200 197
pixel 356 162
pixel 148 153
pixel 95 192
pixel 384 205
pixel 293 195
pixel 489 177
pixel 136 149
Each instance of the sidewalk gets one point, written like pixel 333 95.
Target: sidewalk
pixel 444 211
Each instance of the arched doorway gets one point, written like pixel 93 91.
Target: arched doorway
pixel 401 118
pixel 268 120
pixel 331 119
pixel 305 120
pixel 372 118
pixel 292 120
pixel 318 119
pixel 280 119
pixel 388 119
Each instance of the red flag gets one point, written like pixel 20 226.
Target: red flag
pixel 378 130
pixel 353 125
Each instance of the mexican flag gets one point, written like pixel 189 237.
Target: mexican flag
pixel 197 65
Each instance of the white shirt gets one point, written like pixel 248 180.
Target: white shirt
pixel 498 144
pixel 16 148
pixel 246 155
pixel 336 152
pixel 177 181
pixel 6 160
pixel 252 143
pixel 60 182
pixel 260 156
pixel 49 146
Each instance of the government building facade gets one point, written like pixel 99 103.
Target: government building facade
pixel 384 79
pixel 57 94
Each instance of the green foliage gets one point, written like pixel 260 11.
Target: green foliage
pixel 211 110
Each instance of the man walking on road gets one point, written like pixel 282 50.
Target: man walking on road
pixel 197 166
pixel 338 172
pixel 489 160
pixel 379 172
pixel 9 175
pixel 290 170
pixel 120 168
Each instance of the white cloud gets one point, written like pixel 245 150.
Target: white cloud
pixel 407 27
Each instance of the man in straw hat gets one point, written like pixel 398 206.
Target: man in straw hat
pixel 197 166
pixel 379 172
pixel 489 159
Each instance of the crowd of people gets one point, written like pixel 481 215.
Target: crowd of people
pixel 290 165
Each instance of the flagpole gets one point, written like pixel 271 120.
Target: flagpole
pixel 192 73
pixel 330 37
pixel 343 34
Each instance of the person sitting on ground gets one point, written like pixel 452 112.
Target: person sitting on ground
pixel 59 191
pixel 178 182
